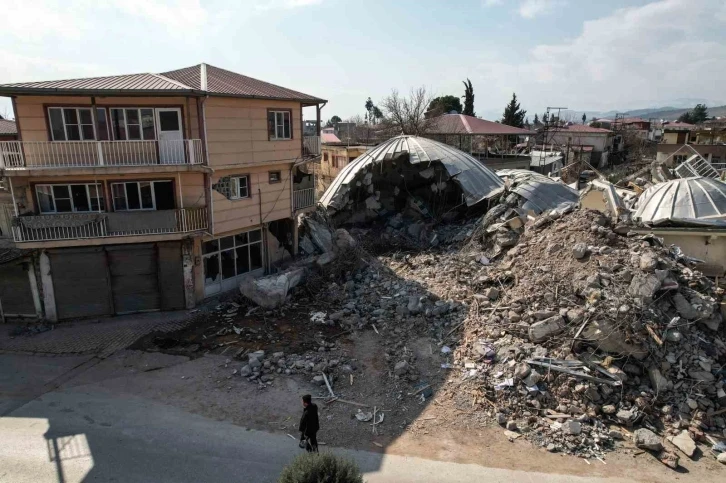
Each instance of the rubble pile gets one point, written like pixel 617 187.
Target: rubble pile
pixel 578 324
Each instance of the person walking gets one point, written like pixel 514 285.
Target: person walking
pixel 309 425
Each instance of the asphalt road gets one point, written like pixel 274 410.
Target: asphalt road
pixel 89 434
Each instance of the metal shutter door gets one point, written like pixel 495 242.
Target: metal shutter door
pixel 134 278
pixel 171 275
pixel 15 294
pixel 80 282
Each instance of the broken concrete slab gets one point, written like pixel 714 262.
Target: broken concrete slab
pixel 684 442
pixel 271 291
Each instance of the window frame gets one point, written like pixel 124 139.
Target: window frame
pixel 275 112
pixel 77 109
pixel 114 135
pixel 99 191
pixel 235 187
pixel 152 182
pixel 236 245
pixel 277 173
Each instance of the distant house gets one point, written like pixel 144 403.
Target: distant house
pixel 8 130
pixel 681 140
pixel 579 142
pixel 492 142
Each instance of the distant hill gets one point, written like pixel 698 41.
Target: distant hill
pixel 665 113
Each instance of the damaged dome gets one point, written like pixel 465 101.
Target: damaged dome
pixel 412 170
pixel 540 193
pixel 697 198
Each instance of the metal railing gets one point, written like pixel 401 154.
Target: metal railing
pixel 79 226
pixel 303 198
pixel 696 165
pixel 311 146
pixel 82 154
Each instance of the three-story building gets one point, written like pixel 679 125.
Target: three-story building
pixel 153 191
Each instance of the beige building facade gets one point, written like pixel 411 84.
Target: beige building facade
pixel 167 188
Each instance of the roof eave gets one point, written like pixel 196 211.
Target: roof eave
pixel 14 91
pixel 312 102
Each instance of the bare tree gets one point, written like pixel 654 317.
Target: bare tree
pixel 405 115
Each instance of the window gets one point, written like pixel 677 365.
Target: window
pixel 142 195
pixel 279 125
pixel 76 124
pixel 240 187
pixel 275 177
pixel 69 198
pixel 679 158
pixel 325 156
pixel 232 256
pixel 132 124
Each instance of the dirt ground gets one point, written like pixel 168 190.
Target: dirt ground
pixel 204 386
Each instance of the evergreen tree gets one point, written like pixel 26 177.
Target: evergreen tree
pixel 584 118
pixel 468 98
pixel 444 105
pixel 536 119
pixel 513 114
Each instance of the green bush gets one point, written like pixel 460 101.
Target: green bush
pixel 321 468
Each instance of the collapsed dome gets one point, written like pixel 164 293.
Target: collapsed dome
pixel 696 198
pixel 539 192
pixel 415 167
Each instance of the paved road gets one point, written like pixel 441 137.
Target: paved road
pixel 87 433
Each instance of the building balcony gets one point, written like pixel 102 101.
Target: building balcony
pixel 311 146
pixel 80 226
pixel 23 155
pixel 303 198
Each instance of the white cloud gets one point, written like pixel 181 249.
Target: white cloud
pixel 285 4
pixel 179 16
pixel 534 8
pixel 33 21
pixel 635 55
pixel 491 3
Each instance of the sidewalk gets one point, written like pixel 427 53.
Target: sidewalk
pixel 101 338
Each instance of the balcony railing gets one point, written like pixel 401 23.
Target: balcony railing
pixel 78 226
pixel 303 198
pixel 84 154
pixel 311 146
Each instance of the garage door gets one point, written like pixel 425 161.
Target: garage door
pixel 15 295
pixel 134 278
pixel 171 275
pixel 80 282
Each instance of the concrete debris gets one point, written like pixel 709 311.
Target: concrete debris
pixel 543 330
pixel 684 442
pixel 647 439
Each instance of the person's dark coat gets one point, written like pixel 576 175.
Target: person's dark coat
pixel 309 424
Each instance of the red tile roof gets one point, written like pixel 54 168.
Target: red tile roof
pixel 461 124
pixel 8 127
pixel 328 137
pixel 201 79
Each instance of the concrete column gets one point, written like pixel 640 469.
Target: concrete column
pixel 46 279
pixel 295 235
pixel 34 290
pixel 188 273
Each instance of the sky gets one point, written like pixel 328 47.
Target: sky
pixel 585 55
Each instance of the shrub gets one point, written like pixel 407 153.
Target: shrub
pixel 321 468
